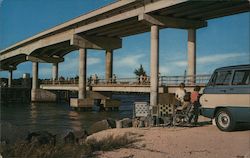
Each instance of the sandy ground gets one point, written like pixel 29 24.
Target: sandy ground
pixel 181 142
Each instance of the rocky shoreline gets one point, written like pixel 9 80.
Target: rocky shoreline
pixel 18 142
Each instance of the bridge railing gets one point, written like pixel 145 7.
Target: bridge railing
pixel 188 80
pixel 163 81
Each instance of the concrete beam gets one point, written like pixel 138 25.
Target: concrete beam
pixel 109 65
pixel 34 81
pixel 10 78
pixel 192 54
pixel 154 65
pixel 82 73
pixel 44 59
pixel 7 68
pixel 54 72
pixel 96 42
pixel 171 22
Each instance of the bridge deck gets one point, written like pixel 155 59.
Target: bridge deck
pixel 117 88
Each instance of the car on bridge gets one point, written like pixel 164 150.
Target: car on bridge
pixel 226 98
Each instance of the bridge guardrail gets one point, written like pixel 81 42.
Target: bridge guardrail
pixel 163 81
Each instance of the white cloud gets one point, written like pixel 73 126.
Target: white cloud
pixel 1 2
pixel 211 59
pixel 179 66
pixel 131 61
pixel 46 72
pixel 92 61
pixel 220 57
pixel 164 70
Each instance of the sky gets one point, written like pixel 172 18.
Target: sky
pixel 224 42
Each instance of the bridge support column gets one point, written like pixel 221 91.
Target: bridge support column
pixel 82 101
pixel 82 73
pixel 54 72
pixel 34 81
pixel 109 65
pixel 192 55
pixel 154 65
pixel 10 78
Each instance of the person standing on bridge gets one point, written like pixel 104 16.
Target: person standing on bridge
pixel 114 78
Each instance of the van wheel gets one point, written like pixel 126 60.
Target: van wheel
pixel 224 120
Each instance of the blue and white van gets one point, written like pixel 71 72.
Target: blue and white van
pixel 226 98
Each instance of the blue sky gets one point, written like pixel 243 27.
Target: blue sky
pixel 224 42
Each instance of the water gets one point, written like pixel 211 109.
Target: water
pixel 59 117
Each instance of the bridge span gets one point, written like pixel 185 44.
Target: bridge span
pixel 167 84
pixel 104 29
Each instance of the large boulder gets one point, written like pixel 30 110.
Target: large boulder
pixel 41 138
pixel 10 133
pixel 101 125
pixel 124 123
pixel 80 136
pixel 70 138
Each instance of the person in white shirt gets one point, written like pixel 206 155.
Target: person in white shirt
pixel 180 93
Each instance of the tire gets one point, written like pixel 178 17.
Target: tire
pixel 225 120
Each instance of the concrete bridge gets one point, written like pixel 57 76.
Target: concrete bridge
pixel 104 29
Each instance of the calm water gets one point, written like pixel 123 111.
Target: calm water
pixel 58 117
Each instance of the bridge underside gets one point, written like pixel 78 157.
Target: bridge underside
pixel 104 29
pixel 118 20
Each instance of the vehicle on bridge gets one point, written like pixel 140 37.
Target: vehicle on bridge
pixel 226 98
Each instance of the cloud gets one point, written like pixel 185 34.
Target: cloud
pixel 131 61
pixel 178 66
pixel 1 2
pixel 46 72
pixel 212 59
pixel 220 57
pixel 164 70
pixel 92 61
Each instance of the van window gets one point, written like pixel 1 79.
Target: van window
pixel 241 77
pixel 221 78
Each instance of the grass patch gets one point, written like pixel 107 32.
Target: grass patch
pixel 87 149
pixel 112 142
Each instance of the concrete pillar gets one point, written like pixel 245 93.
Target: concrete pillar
pixel 34 80
pixel 82 73
pixel 109 65
pixel 54 72
pixel 191 70
pixel 10 78
pixel 154 65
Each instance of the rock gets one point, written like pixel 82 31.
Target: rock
pixel 141 124
pixel 126 123
pixel 41 138
pixel 11 133
pixel 81 136
pixel 70 138
pixel 100 126
pixel 111 122
pixel 136 122
pixel 118 124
